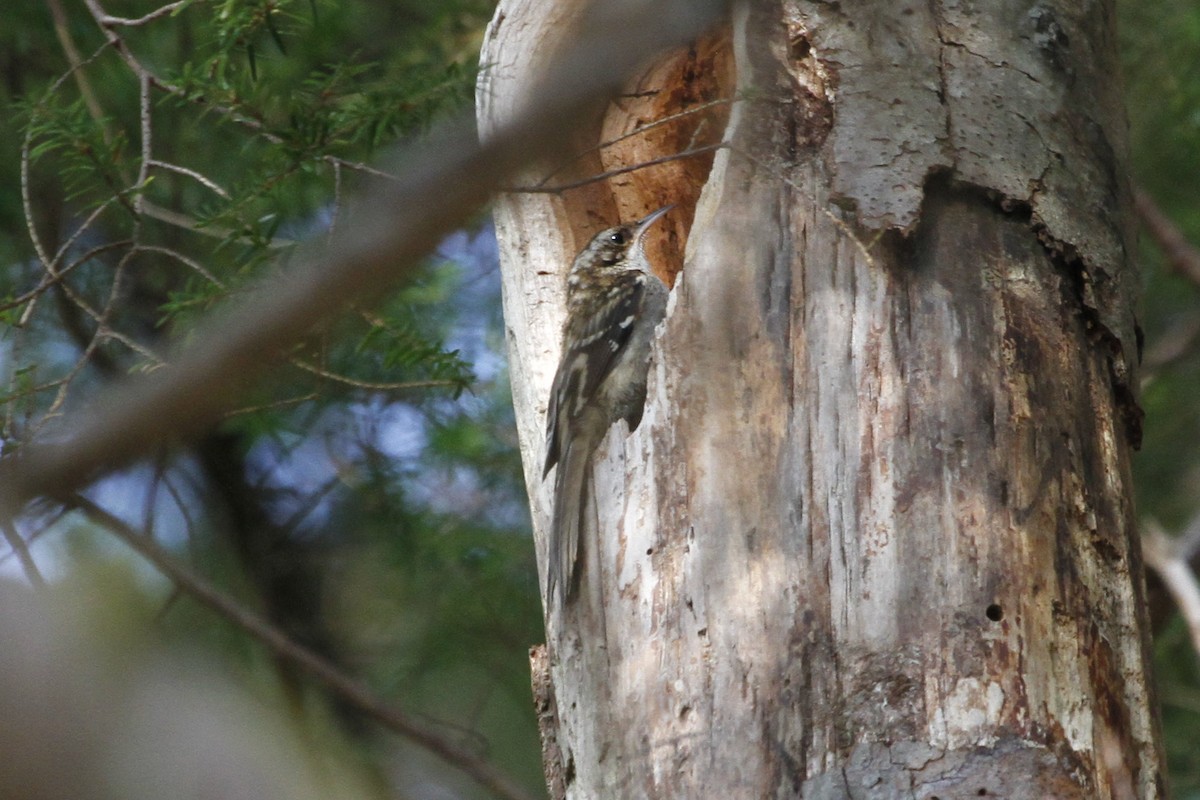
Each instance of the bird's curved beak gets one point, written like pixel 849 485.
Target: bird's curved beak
pixel 645 222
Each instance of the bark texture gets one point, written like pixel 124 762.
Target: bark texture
pixel 874 537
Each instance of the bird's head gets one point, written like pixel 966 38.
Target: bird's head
pixel 619 247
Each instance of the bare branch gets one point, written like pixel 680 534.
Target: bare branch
pixel 51 279
pixel 338 683
pixel 111 21
pixel 291 401
pixel 371 385
pixel 203 180
pixel 603 176
pixel 147 143
pixel 640 131
pixel 182 259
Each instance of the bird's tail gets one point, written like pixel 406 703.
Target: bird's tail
pixel 562 558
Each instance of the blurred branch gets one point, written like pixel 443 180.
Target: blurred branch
pixel 339 684
pixel 20 549
pixel 1169 560
pixel 379 243
pixel 1187 544
pixel 62 30
pixel 1182 258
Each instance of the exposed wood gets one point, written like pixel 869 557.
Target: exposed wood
pixel 874 537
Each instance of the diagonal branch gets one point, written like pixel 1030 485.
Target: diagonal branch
pixel 441 184
pixel 346 688
pixel 1182 257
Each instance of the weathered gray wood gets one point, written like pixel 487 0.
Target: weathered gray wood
pixel 874 537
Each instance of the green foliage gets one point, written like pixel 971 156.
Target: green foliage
pixel 160 179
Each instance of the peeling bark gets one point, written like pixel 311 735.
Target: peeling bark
pixel 874 537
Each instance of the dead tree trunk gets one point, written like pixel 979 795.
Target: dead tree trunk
pixel 875 536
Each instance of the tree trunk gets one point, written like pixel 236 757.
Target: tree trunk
pixel 874 537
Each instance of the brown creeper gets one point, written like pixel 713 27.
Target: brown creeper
pixel 614 303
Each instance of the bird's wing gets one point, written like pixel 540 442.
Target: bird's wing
pixel 597 341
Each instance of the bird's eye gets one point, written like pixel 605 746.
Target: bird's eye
pixel 617 237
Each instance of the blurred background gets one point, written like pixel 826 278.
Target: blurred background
pixel 366 501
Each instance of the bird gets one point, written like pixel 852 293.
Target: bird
pixel 614 304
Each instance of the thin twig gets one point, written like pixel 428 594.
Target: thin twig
pixel 166 10
pixel 182 259
pixel 277 404
pixel 640 131
pixel 8 398
pixel 311 501
pixel 49 280
pixel 603 176
pixel 370 385
pixel 179 220
pixel 203 180
pixel 344 687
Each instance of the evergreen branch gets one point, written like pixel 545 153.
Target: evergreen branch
pixel 187 223
pixel 291 401
pixel 369 385
pixel 49 280
pixel 203 180
pixel 187 261
pixel 451 177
